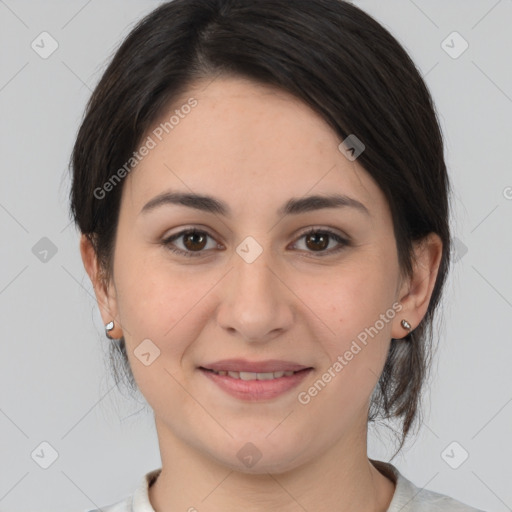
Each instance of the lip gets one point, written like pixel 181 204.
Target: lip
pixel 257 390
pixel 242 365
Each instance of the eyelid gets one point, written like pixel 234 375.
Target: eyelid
pixel 323 229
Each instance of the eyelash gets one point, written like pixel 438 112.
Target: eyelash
pixel 344 242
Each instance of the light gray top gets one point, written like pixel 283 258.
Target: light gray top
pixel 407 497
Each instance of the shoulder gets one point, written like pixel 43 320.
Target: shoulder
pixel 121 506
pixel 425 500
pixel 138 501
pixel 408 497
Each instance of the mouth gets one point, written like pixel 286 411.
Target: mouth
pixel 255 386
pixel 255 375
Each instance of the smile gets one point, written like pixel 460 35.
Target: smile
pixel 255 386
pixel 254 376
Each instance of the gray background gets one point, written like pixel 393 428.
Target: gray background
pixel 55 385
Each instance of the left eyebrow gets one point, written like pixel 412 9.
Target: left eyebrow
pixel 294 206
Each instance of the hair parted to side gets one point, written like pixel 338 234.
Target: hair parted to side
pixel 332 56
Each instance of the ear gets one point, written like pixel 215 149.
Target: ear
pixel 105 292
pixel 415 292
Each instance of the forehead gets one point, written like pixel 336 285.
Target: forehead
pixel 249 144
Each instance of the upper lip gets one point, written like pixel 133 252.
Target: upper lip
pixel 242 365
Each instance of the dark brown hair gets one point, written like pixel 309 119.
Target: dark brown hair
pixel 336 59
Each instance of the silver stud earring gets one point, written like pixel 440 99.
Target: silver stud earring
pixel 406 325
pixel 109 327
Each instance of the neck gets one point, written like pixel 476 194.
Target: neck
pixel 340 479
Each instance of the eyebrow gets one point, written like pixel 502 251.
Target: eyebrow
pixel 294 206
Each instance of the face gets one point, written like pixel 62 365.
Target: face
pixel 252 284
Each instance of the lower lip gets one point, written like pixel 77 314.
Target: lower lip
pixel 256 389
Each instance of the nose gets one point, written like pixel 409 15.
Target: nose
pixel 256 304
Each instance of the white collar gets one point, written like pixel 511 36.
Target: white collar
pixel 406 497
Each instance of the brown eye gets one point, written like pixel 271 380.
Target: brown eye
pixel 317 240
pixel 192 240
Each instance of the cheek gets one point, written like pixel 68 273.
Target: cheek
pixel 356 297
pixel 359 311
pixel 161 305
pixel 160 302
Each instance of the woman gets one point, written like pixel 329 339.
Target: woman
pixel 263 202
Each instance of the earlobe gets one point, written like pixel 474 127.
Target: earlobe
pixel 105 298
pixel 416 291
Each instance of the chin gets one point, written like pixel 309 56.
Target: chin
pixel 259 458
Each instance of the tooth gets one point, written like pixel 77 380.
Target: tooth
pixel 265 376
pixel 248 376
pixel 255 376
